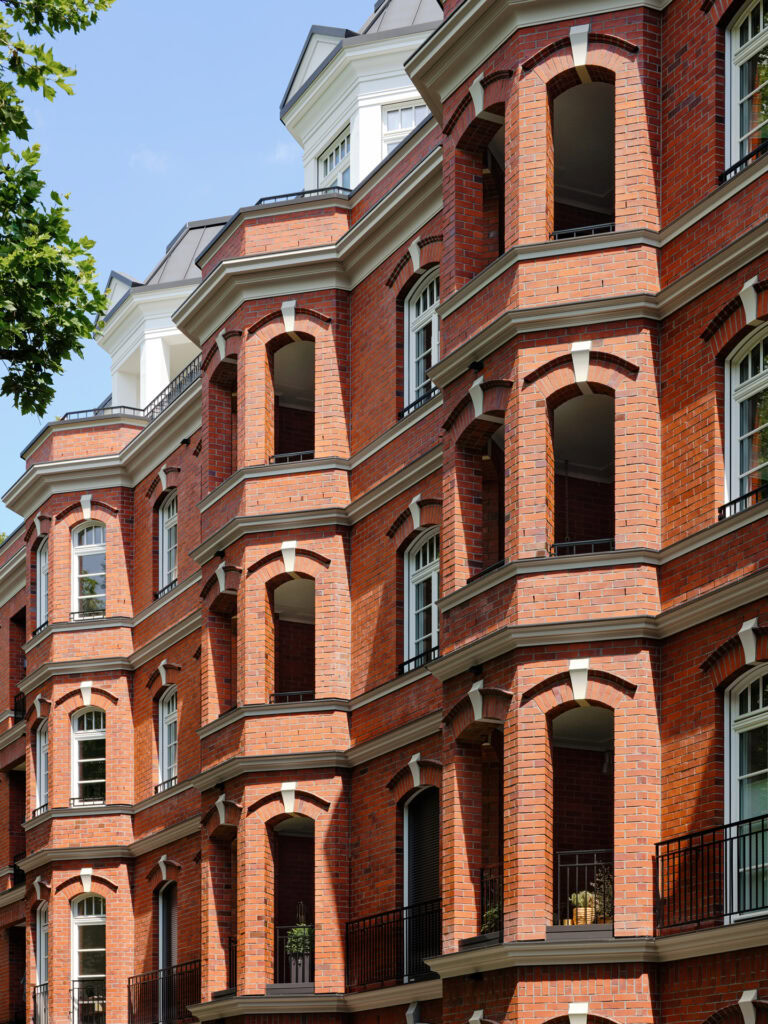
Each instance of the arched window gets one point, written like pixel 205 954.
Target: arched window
pixel 167 713
pixel 42 584
pixel 422 589
pixel 41 950
pixel 747 424
pixel 422 341
pixel 89 571
pixel 89 959
pixel 167 946
pixel 168 528
pixel 41 766
pixel 421 880
pixel 748 82
pixel 89 757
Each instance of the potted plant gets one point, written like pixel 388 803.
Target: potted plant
pixel 491 919
pixel 583 903
pixel 298 949
pixel 603 893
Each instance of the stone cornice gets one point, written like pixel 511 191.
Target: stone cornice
pixel 78 626
pixel 13 576
pixel 11 896
pixel 98 811
pixel 244 712
pixel 11 735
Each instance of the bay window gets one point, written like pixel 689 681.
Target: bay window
pixel 169 540
pixel 42 584
pixel 422 589
pixel 89 757
pixel 747 434
pixel 89 571
pixel 168 735
pixel 333 165
pixel 748 80
pixel 422 334
pixel 41 766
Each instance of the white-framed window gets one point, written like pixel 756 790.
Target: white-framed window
pixel 167 721
pixel 89 571
pixel 747 420
pixel 42 584
pixel 89 756
pixel 422 339
pixel 41 765
pixel 397 122
pixel 747 791
pixel 167 945
pixel 41 944
pixel 748 80
pixel 333 165
pixel 89 958
pixel 169 540
pixel 422 589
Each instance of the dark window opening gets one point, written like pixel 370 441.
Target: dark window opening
pixel 293 605
pixel 293 846
pixel 294 385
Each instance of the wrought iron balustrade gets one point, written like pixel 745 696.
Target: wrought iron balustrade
pixel 583 887
pixel 89 1001
pixel 295 954
pixel 743 502
pixel 162 997
pixel 394 945
pixel 740 165
pixel 582 547
pixel 101 410
pixel 39 810
pixel 19 707
pixel 714 875
pixel 87 801
pixel 417 403
pixel 232 964
pixel 40 628
pixel 334 191
pixel 83 616
pixel 166 589
pixel 40 1004
pixel 418 661
pixel 291 697
pixel 180 383
pixel 585 231
pixel 491 900
pixel 282 457
pixel 166 784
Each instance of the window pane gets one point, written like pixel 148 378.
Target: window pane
pixel 92 564
pixel 92 749
pixel 754 797
pixel 92 771
pixel 393 120
pixel 93 936
pixel 753 751
pixel 406 116
pixel 92 964
pixel 95 791
pixel 345 178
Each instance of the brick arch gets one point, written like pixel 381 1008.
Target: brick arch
pixel 103 704
pixel 592 1018
pixel 732 1014
pixel 275 320
pixel 272 808
pixel 405 527
pixel 164 870
pixel 605 63
pixel 722 11
pixel 405 276
pixel 464 122
pixel 564 43
pixel 728 661
pixel 729 326
pixel 480 709
pixel 417 773
pixel 72 887
pixel 273 568
pixel 219 593
pixel 555 693
pixel 96 503
pixel 468 424
pixel 606 372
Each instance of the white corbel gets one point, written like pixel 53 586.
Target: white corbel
pixel 580 356
pixel 477 92
pixel 163 867
pixel 578 669
pixel 748 296
pixel 288 794
pixel 747 1005
pixel 415 253
pixel 221 345
pixel 415 509
pixel 412 1013
pixel 476 394
pixel 39 885
pixel 579 48
pixel 289 315
pixel 163 477
pixel 476 1017
pixel 220 808
pixel 86 878
pixel 37 525
pixel 289 555
pixel 85 505
pixel 85 692
pixel 415 767
pixel 748 637
pixel 161 670
pixel 36 702
pixel 476 699
pixel 578 1013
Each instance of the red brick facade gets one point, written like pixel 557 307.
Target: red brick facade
pixel 577 707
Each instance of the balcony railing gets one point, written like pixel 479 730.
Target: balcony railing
pixel 40 628
pixel 335 191
pixel 39 810
pixel 232 964
pixel 583 232
pixel 713 876
pixel 740 165
pixel 87 801
pixel 582 547
pixel 166 784
pixel 491 901
pixel 166 589
pixel 162 997
pixel 291 697
pixel 742 503
pixel 306 456
pixel 584 887
pixel 418 661
pixel 40 1004
pixel 19 707
pixel 417 403
pixel 82 616
pixel 89 1001
pixel 295 954
pixel 393 946
pixel 101 410
pixel 180 383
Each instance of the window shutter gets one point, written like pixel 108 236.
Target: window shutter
pixel 424 847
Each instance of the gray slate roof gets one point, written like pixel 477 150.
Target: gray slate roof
pixel 394 14
pixel 178 264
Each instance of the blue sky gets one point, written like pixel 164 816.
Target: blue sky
pixel 174 118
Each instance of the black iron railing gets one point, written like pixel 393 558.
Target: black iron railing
pixel 740 165
pixel 180 383
pixel 166 589
pixel 583 232
pixel 89 1001
pixel 743 502
pixel 39 810
pixel 713 875
pixel 291 697
pixel 291 457
pixel 393 946
pixel 295 954
pixel 19 707
pixel 417 403
pixel 491 900
pixel 166 784
pixel 337 191
pixel 40 1004
pixel 418 661
pixel 232 964
pixel 162 997
pixel 583 887
pixel 87 801
pixel 582 547
pixel 97 613
pixel 101 410
pixel 40 628
pixel 486 570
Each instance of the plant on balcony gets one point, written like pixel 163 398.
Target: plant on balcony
pixel 491 921
pixel 603 893
pixel 583 903
pixel 298 941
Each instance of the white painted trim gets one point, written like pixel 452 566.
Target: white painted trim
pixel 748 296
pixel 415 254
pixel 747 1002
pixel 477 93
pixel 86 879
pixel 578 669
pixel 476 396
pixel 288 310
pixel 85 505
pixel 578 1013
pixel 415 509
pixel 288 550
pixel 288 795
pixel 748 638
pixel 579 38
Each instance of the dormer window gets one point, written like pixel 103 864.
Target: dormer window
pixel 333 166
pixel 399 122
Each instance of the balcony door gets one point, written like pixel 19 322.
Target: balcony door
pixel 89 960
pixel 167 948
pixel 748 832
pixel 421 881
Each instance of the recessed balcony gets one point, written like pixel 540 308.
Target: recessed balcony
pixel 162 997
pixel 391 948
pixel 39 1004
pixel 89 1001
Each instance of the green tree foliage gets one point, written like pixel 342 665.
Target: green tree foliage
pixel 49 298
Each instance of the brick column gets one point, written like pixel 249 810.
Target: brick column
pixel 461 833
